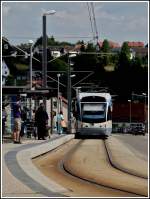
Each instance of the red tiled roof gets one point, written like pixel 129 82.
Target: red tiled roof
pixel 135 44
pixel 111 44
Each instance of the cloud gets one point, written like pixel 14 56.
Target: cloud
pixel 6 9
pixel 136 24
pixel 115 20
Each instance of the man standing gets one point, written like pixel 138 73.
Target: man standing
pixel 17 122
pixel 41 121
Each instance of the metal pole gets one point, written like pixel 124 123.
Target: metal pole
pixel 69 96
pixel 130 112
pixel 31 81
pixel 44 62
pixel 145 114
pixel 31 67
pixel 51 115
pixel 58 129
pixel 58 75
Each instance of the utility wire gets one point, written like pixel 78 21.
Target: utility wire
pixel 56 36
pixel 26 54
pixel 94 21
pixel 90 17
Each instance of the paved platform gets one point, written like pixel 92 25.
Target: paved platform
pixel 20 178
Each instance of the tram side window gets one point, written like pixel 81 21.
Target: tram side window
pixel 109 114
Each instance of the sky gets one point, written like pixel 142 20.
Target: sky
pixel 116 21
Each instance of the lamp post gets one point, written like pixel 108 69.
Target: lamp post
pixel 144 94
pixel 31 54
pixel 130 111
pixel 58 76
pixel 69 91
pixel 44 41
pixel 69 96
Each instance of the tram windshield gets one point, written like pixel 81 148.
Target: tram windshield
pixel 93 112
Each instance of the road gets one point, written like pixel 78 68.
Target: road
pixel 83 168
pixel 137 144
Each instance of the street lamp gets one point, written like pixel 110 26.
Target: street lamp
pixel 130 111
pixel 31 54
pixel 69 103
pixel 69 90
pixel 44 41
pixel 144 94
pixel 58 76
pixel 72 75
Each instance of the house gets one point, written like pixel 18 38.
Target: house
pixel 140 51
pixel 5 72
pixel 111 44
pixel 55 53
pixel 135 44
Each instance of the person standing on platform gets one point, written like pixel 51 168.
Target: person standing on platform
pixel 4 117
pixel 24 121
pixel 17 122
pixel 60 118
pixel 41 121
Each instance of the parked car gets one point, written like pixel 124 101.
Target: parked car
pixel 138 131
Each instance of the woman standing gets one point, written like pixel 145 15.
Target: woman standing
pixel 60 118
pixel 41 120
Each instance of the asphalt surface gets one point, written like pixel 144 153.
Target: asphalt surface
pixel 136 143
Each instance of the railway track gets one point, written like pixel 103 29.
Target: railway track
pixel 85 169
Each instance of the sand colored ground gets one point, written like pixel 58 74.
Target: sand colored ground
pixel 89 161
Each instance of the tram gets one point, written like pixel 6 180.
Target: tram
pixel 94 114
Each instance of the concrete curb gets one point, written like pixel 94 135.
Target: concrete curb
pixel 24 158
pixel 121 159
pixel 20 164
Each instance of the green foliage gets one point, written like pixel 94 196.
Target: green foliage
pixel 86 61
pixel 58 65
pixel 129 75
pixel 145 61
pixel 22 67
pixel 80 42
pixel 24 46
pixel 10 80
pixel 137 62
pixel 105 59
pixel 105 47
pixel 124 57
pixel 51 42
pixel 38 42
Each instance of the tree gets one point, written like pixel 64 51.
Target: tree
pixel 137 62
pixel 124 57
pixel 86 61
pixel 58 65
pixel 105 46
pixel 123 76
pixel 7 50
pixel 38 42
pixel 105 49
